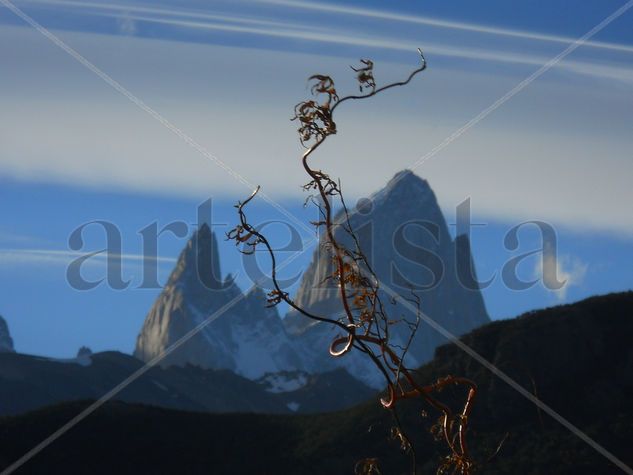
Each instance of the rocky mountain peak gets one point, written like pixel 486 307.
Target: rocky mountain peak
pixel 243 336
pixel 403 233
pixel 198 266
pixel 404 186
pixel 6 343
pixel 258 299
pixel 409 181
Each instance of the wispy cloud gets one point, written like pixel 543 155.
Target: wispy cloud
pixel 126 10
pixel 560 272
pixel 331 8
pixel 215 93
pixel 128 17
pixel 434 49
pixel 9 236
pixel 439 23
pixel 62 257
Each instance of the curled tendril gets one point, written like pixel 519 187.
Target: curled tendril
pixel 315 121
pixel 242 236
pixel 315 118
pixel 275 297
pixel 346 341
pixel 365 75
pixel 368 466
pixel 397 434
pixel 389 401
pixel 323 85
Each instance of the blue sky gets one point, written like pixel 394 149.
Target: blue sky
pixel 72 149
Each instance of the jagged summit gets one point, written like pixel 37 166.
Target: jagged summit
pixel 245 336
pixel 406 198
pixel 6 343
pixel 406 179
pixel 404 235
pixel 405 185
pixel 198 265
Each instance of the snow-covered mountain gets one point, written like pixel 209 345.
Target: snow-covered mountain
pixel 248 338
pixel 398 228
pixel 6 343
pixel 402 231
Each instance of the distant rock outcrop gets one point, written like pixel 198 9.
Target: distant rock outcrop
pixel 6 343
pixel 84 352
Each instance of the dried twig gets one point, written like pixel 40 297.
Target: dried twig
pixel 365 325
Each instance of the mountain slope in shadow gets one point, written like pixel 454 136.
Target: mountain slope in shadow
pixel 576 358
pixel 31 382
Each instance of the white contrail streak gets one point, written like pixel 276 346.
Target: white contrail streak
pixel 435 22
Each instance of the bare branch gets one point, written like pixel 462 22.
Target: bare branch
pixel 365 325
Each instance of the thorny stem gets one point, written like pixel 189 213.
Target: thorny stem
pixel 369 329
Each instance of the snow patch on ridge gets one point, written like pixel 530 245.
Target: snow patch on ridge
pixel 284 381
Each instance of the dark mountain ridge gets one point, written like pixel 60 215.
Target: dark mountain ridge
pixel 32 382
pixel 576 358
